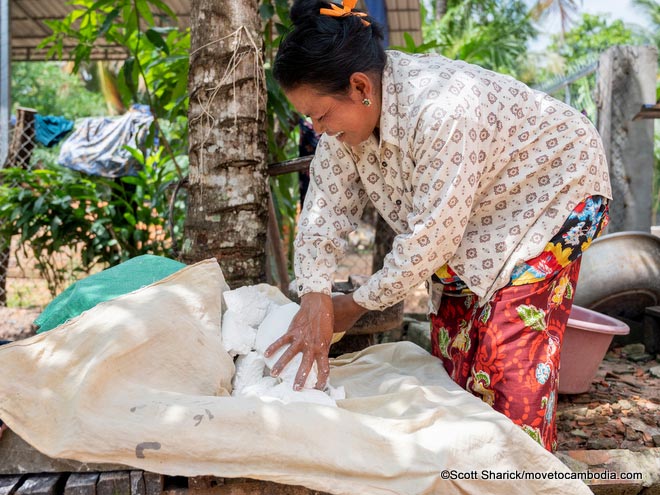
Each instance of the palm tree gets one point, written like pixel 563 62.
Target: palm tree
pixel 564 8
pixel 228 188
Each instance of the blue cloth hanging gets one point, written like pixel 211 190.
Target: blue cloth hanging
pixel 51 129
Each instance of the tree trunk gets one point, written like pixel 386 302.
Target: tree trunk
pixel 227 211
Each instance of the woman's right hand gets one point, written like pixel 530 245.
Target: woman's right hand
pixel 309 333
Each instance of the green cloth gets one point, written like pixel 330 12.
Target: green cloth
pixel 103 286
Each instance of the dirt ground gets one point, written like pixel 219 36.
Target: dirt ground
pixel 621 410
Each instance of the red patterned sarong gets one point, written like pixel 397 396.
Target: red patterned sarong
pixel 507 352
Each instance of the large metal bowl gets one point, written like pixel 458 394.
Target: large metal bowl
pixel 620 275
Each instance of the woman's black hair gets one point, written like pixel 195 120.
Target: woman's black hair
pixel 323 51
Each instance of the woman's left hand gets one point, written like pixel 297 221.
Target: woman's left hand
pixel 347 312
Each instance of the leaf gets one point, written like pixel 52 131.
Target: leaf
pixel 157 40
pixel 38 204
pixel 532 316
pixel 145 11
pixel 164 7
pixel 108 22
pixel 130 219
pixel 135 153
pixel 129 69
pixel 267 11
pixel 100 4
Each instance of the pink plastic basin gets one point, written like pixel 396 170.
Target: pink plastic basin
pixel 586 340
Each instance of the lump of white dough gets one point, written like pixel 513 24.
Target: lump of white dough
pixel 275 325
pixel 249 370
pixel 283 392
pixel 248 303
pixel 273 294
pixel 237 337
pixel 259 389
pixel 268 388
pixel 246 308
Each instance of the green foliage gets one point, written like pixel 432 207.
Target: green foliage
pixel 490 33
pixel 49 89
pixel 155 70
pixel 411 47
pixel 108 221
pixel 593 35
pixel 582 45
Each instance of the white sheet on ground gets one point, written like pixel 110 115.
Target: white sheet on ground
pixel 143 380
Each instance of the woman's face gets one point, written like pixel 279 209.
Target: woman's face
pixel 344 116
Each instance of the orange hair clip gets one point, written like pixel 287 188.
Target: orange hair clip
pixel 346 9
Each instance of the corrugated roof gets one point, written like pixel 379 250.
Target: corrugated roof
pixel 28 28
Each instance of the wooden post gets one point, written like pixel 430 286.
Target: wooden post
pixel 626 80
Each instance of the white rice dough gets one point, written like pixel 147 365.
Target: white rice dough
pixel 246 308
pixel 257 316
pixel 259 389
pixel 252 302
pixel 237 337
pixel 249 370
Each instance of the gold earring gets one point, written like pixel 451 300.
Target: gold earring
pixel 366 102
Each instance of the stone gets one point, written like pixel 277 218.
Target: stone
pixel 633 349
pixel 81 484
pixel 579 433
pixel 112 483
pixel 204 482
pixel 137 483
pixel 18 457
pixel 9 484
pixel 42 484
pixel 153 483
pixel 640 358
pixel 655 371
pixel 249 370
pixel 602 443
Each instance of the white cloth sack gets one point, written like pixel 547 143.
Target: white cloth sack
pixel 143 380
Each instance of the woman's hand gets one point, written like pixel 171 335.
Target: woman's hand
pixel 309 333
pixel 346 311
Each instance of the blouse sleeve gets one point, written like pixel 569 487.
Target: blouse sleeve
pixel 445 180
pixel 334 204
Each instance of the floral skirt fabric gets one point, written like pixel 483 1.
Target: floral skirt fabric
pixel 507 351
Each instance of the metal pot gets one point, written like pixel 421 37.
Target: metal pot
pixel 620 275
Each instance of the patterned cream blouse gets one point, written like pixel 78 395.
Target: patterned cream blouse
pixel 472 168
